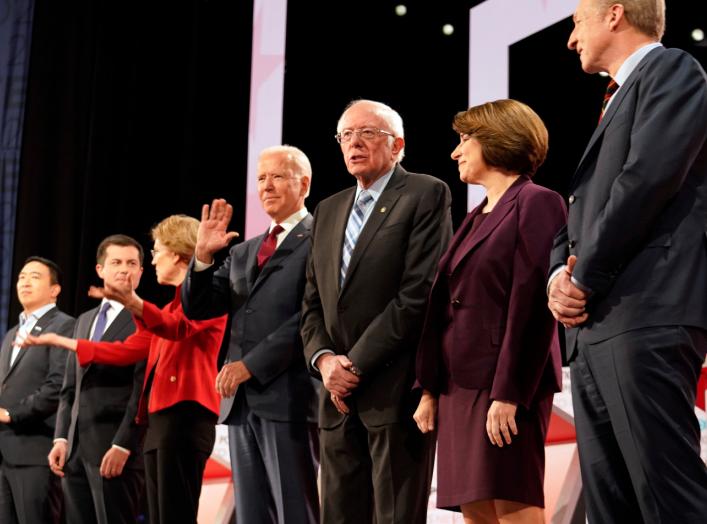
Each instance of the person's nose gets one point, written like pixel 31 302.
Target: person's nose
pixel 572 42
pixel 456 153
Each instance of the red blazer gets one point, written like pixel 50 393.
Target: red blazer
pixel 505 338
pixel 181 352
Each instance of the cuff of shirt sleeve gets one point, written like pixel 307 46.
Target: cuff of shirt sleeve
pixel 121 448
pixel 201 266
pixel 581 286
pixel 319 354
pixel 60 440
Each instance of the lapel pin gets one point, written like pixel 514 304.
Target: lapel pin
pixel 384 209
pixel 300 235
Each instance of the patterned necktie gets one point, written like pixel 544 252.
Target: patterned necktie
pixel 19 337
pixel 269 245
pixel 610 90
pixel 101 323
pixel 353 230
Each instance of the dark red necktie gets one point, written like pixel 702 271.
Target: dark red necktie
pixel 610 90
pixel 269 245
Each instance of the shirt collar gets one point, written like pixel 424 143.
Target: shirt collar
pixel 37 313
pixel 632 62
pixel 376 187
pixel 291 221
pixel 115 306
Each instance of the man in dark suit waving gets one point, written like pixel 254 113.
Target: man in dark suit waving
pixel 96 431
pixel 629 272
pixel 30 380
pixel 375 250
pixel 268 396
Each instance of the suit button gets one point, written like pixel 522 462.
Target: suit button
pixel 456 302
pixel 172 378
pixel 571 243
pixel 248 311
pixel 572 199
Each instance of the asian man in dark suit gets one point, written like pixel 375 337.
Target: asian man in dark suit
pixel 629 272
pixel 103 478
pixel 269 399
pixel 374 253
pixel 30 381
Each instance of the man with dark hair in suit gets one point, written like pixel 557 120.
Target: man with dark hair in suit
pixel 96 431
pixel 629 271
pixel 269 400
pixel 375 250
pixel 30 381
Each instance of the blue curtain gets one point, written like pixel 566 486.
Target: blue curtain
pixel 15 41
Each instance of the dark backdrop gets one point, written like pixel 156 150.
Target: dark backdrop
pixel 138 110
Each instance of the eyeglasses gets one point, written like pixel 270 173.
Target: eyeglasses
pixel 366 133
pixel 155 252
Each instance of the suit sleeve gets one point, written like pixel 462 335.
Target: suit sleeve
pixel 667 133
pixel 129 434
pixel 134 348
pixel 205 294
pixel 395 328
pixel 66 399
pixel 313 329
pixel 170 325
pixel 44 401
pixel 530 328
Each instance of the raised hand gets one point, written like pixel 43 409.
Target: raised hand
pixel 213 232
pixel 124 294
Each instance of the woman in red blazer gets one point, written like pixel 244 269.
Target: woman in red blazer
pixel 489 358
pixel 179 400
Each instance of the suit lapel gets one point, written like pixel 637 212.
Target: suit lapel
pixel 379 214
pixel 119 323
pixel 613 108
pixel 38 329
pixel 6 352
pixel 495 217
pixel 251 265
pixel 299 234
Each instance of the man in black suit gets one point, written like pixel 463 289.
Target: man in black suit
pixel 374 253
pixel 268 396
pixel 629 272
pixel 30 380
pixel 103 478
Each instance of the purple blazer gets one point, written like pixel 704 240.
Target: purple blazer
pixel 492 286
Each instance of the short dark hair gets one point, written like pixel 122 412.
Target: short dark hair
pixel 55 275
pixel 118 240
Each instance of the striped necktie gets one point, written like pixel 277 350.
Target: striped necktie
pixel 353 230
pixel 610 90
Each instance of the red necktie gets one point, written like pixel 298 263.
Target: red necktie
pixel 269 245
pixel 610 90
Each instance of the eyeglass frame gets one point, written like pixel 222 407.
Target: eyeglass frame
pixel 378 131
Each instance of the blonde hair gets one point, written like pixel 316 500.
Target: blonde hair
pixel 512 136
pixel 178 234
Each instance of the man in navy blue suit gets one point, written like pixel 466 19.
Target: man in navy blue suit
pixel 629 272
pixel 269 400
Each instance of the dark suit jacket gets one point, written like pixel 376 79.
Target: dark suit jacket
pixel 265 310
pixel 638 211
pixel 100 401
pixel 376 317
pixel 493 284
pixel 29 390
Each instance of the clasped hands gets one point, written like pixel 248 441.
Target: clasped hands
pixel 338 378
pixel 565 300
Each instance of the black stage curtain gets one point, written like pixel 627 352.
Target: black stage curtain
pixel 135 111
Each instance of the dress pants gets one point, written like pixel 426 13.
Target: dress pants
pixel 178 443
pixel 113 501
pixel 638 437
pixel 274 466
pixel 29 495
pixel 378 474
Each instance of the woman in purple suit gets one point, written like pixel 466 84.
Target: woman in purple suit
pixel 489 359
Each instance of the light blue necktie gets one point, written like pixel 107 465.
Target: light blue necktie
pixel 353 230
